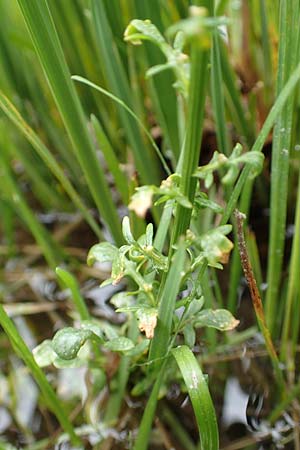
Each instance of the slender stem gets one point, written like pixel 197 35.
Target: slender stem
pixel 191 150
pixel 256 299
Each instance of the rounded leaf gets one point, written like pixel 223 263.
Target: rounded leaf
pixel 44 354
pixel 221 319
pixel 120 344
pixel 68 341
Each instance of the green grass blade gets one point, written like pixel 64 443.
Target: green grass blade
pixel 146 164
pixel 258 145
pixel 48 393
pixel 266 46
pixel 293 289
pixel 70 282
pixel 111 160
pixel 143 436
pixel 48 159
pixel 217 94
pixel 289 35
pixel 160 342
pixel 41 27
pixel 131 113
pixel 200 397
pixel 233 98
pixel 13 194
pixel 162 91
pixel 191 150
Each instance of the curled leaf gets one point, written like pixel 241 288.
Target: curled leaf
pixel 120 344
pixel 221 319
pixel 139 30
pixel 147 318
pixel 44 354
pixel 216 246
pixel 68 341
pixel 103 252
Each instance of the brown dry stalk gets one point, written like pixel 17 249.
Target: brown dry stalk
pixel 255 296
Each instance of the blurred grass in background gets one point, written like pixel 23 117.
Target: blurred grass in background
pixel 71 157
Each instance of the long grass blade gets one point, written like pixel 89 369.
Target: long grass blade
pixel 260 140
pixel 293 289
pixel 146 164
pixel 48 159
pixel 217 94
pixel 43 33
pixel 111 160
pixel 200 397
pixel 49 395
pixel 288 50
pixel 159 344
pixel 11 191
pixel 130 112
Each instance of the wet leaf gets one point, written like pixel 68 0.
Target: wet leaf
pixel 122 300
pixel 127 231
pixel 139 30
pixel 202 201
pixel 60 363
pixel 216 246
pixel 68 341
pixel 44 354
pixel 93 327
pixel 149 234
pixel 139 349
pixel 103 252
pixel 200 397
pixel 221 319
pixel 120 344
pixel 189 335
pixel 118 268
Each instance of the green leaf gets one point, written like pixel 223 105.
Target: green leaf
pixel 93 327
pixel 44 354
pixel 120 344
pixel 60 363
pixel 68 341
pixel 139 349
pixel 189 335
pixel 200 397
pixel 103 252
pixel 118 268
pixel 216 246
pixel 48 159
pixel 49 50
pixel 122 300
pixel 159 344
pixel 149 234
pixel 202 201
pixel 48 393
pixel 127 231
pixel 143 29
pixel 195 306
pixel 221 319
